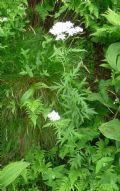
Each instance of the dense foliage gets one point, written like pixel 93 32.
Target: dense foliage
pixel 60 95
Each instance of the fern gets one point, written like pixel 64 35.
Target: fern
pixel 102 150
pixel 112 17
pixel 33 109
pixel 76 161
pixel 44 8
pixel 110 30
pixel 109 181
pixel 65 185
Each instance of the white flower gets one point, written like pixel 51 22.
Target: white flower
pixel 61 29
pixel 60 37
pixel 74 30
pixel 67 25
pixel 4 19
pixel 78 29
pixel 53 116
pixel 71 32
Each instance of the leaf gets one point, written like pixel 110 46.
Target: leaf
pixel 28 94
pixel 62 10
pixel 113 56
pixel 111 129
pixel 43 9
pixel 29 71
pixel 103 95
pixel 103 163
pixel 112 17
pixel 11 172
pixel 104 87
pixel 93 9
pixel 117 84
pixel 33 108
pixel 39 85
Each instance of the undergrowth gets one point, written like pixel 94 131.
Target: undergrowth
pixel 60 96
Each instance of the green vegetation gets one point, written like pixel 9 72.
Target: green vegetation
pixel 60 95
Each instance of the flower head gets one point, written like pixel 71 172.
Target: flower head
pixel 64 29
pixel 60 37
pixel 61 27
pixel 3 19
pixel 74 30
pixel 54 116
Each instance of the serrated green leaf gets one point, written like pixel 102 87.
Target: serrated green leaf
pixel 102 163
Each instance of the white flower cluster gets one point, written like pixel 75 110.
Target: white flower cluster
pixel 54 116
pixel 63 29
pixel 3 19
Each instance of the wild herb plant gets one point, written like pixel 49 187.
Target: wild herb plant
pixel 68 135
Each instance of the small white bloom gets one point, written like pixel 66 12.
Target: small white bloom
pixel 4 19
pixel 60 37
pixel 61 27
pixel 78 29
pixel 57 29
pixel 71 32
pixel 67 25
pixel 54 116
pixel 74 30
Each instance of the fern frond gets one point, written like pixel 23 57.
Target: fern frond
pixel 33 109
pixel 106 32
pixel 112 17
pixel 111 30
pixel 76 161
pixel 65 185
